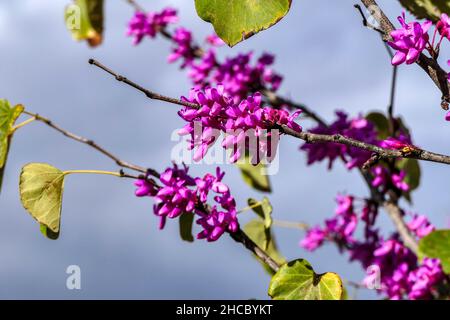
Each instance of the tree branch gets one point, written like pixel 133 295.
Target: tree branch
pixel 238 236
pixel 135 5
pixel 417 153
pixel 241 237
pixel 396 215
pixel 429 65
pixel 94 145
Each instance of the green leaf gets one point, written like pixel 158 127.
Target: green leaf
pixel 237 20
pixel 254 176
pixel 381 124
pixel 437 245
pixel 413 172
pixel 49 233
pixel 84 19
pixel 185 222
pixel 297 280
pixel 41 190
pixel 256 231
pixel 427 9
pixel 8 116
pixel 263 209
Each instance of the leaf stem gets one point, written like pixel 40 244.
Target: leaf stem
pixel 111 173
pixel 22 124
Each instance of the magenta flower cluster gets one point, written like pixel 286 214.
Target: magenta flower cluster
pixel 142 25
pixel 218 113
pixel 182 48
pixel 357 128
pixel 182 194
pixel 401 274
pixel 409 41
pixel 237 74
pixel 384 179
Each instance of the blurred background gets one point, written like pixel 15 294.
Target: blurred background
pixel 329 60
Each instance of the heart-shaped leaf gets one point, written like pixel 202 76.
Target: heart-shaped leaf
pixel 437 245
pixel 41 190
pixel 84 19
pixel 297 280
pixel 8 116
pixel 256 231
pixel 254 176
pixel 427 9
pixel 237 20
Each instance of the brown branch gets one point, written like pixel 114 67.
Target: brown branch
pixel 94 145
pixel 135 5
pixel 417 153
pixel 396 215
pixel 429 65
pixel 241 237
pixel 149 94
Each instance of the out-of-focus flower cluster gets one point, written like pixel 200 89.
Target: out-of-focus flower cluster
pixel 239 76
pixel 401 274
pixel 182 194
pixel 144 25
pixel 357 128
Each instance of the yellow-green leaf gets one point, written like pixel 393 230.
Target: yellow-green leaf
pixel 263 209
pixel 237 20
pixel 41 190
pixel 8 116
pixel 256 231
pixel 254 176
pixel 297 280
pixel 84 19
pixel 427 9
pixel 437 245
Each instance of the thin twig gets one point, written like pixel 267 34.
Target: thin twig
pixel 365 22
pixel 429 65
pixel 149 94
pixel 291 225
pixel 92 144
pixel 135 5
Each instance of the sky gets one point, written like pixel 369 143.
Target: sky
pixel 329 61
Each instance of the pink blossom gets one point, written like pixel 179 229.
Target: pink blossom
pixel 218 113
pixel 409 41
pixel 182 49
pixel 150 24
pixel 214 40
pixel 443 26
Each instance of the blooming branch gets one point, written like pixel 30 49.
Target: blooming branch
pixel 411 152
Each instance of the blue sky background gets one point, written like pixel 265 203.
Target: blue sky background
pixel 329 61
